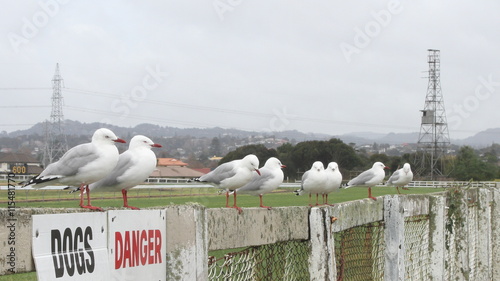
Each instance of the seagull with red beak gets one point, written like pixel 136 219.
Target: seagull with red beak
pixel 134 166
pixel 232 175
pixel 82 165
pixel 270 178
pixel 370 178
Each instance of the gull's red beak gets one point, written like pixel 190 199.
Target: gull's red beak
pixel 258 172
pixel 156 145
pixel 386 167
pixel 120 140
pixel 283 166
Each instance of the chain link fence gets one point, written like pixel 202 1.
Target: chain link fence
pixel 360 252
pixel 417 247
pixel 278 261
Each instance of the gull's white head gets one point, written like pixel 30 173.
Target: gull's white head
pixel 252 162
pixel 318 166
pixel 379 165
pixel 406 168
pixel 105 135
pixel 332 166
pixel 142 141
pixel 274 163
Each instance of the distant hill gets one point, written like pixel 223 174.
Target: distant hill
pixel 369 138
pixel 481 139
pixel 78 128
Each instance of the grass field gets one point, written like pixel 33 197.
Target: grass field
pixel 208 197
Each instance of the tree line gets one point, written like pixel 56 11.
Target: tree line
pixel 466 165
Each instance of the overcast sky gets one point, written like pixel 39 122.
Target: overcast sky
pixel 329 67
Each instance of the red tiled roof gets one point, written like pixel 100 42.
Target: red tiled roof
pixel 203 170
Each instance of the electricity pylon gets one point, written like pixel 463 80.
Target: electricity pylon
pixel 55 139
pixel 434 139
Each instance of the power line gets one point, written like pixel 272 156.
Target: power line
pixel 24 106
pixel 239 112
pixel 174 104
pixel 17 124
pixel 137 117
pixel 23 89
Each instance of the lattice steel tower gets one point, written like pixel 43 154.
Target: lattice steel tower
pixel 434 139
pixel 55 138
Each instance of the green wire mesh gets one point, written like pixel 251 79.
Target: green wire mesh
pixel 359 252
pixel 278 261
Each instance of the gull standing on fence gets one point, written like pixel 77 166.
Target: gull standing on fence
pixel 369 178
pixel 82 165
pixel 271 176
pixel 401 177
pixel 232 175
pixel 134 166
pixel 333 180
pixel 313 181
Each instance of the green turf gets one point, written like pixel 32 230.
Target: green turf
pixel 208 197
pixel 19 277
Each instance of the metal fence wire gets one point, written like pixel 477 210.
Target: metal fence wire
pixel 278 261
pixel 416 232
pixel 359 252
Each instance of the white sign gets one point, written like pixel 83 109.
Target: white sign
pixel 71 246
pixel 137 246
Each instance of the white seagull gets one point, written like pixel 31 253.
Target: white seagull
pixel 134 166
pixel 232 175
pixel 401 177
pixel 82 165
pixel 333 180
pixel 271 176
pixel 313 181
pixel 369 178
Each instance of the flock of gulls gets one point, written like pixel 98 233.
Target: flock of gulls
pixel 98 166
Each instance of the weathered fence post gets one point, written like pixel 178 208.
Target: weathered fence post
pixel 322 257
pixel 394 239
pixel 436 236
pixel 495 234
pixel 187 243
pixel 484 231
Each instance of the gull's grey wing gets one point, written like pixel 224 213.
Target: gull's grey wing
pixel 394 177
pixel 362 178
pixel 125 162
pixel 305 176
pixel 220 173
pixel 257 181
pixel 72 161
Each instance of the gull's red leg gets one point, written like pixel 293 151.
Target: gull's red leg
pixel 125 201
pixel 89 206
pixel 370 194
pixel 261 205
pixel 234 203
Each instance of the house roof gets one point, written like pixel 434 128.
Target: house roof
pixel 202 170
pixel 170 162
pixel 34 169
pixel 16 157
pixel 175 172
